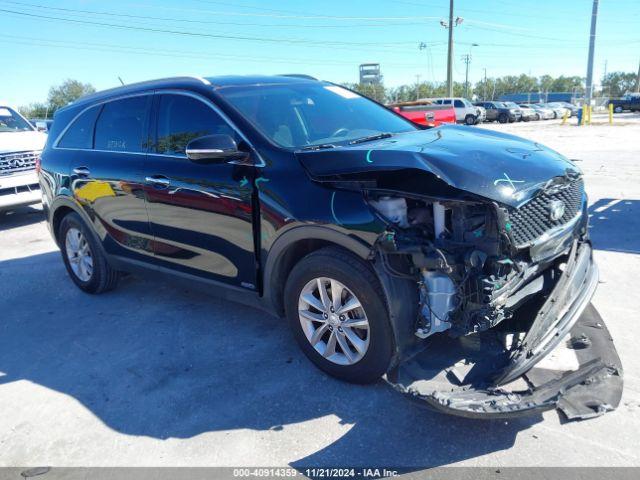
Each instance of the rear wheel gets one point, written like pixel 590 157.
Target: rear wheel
pixel 618 109
pixel 85 262
pixel 335 308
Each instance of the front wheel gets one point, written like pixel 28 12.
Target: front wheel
pixel 336 310
pixel 503 118
pixel 470 120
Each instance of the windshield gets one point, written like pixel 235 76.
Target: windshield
pixel 307 114
pixel 511 104
pixel 10 121
pixel 500 105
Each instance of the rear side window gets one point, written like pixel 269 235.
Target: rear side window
pixel 80 133
pixel 122 125
pixel 181 119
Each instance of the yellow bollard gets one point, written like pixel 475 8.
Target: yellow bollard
pixel 611 114
pixel 583 120
pixel 590 113
pixel 565 116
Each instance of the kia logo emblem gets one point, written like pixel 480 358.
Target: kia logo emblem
pixel 556 210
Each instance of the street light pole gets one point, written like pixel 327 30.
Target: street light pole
pixel 592 44
pixel 450 53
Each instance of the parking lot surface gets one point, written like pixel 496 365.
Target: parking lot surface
pixel 153 374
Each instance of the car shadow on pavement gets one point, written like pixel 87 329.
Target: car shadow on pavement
pixel 152 360
pixel 20 217
pixel 614 225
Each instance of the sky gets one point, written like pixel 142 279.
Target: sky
pixel 46 41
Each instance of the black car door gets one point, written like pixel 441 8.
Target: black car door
pixel 106 173
pixel 200 212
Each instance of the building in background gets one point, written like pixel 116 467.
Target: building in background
pixel 370 74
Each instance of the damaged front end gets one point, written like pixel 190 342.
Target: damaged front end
pixel 487 265
pixel 499 288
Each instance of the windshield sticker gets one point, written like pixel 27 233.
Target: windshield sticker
pixel 343 92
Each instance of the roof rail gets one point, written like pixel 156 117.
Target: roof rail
pixel 298 75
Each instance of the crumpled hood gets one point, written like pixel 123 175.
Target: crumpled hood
pixel 497 166
pixel 21 141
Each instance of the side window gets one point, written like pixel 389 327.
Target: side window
pixel 181 119
pixel 458 104
pixel 80 133
pixel 122 125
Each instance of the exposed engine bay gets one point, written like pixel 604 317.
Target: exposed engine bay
pixel 470 276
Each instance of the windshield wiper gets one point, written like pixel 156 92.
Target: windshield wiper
pixel 322 146
pixel 377 136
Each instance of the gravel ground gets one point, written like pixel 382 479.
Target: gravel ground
pixel 155 375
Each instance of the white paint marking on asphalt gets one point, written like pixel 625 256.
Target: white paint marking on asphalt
pixel 608 205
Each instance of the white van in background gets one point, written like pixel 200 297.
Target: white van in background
pixel 466 112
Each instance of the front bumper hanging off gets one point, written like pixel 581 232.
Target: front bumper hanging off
pixel 582 377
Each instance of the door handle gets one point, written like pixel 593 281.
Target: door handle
pixel 82 171
pixel 158 181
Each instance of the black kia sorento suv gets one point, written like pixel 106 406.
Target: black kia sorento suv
pixel 447 260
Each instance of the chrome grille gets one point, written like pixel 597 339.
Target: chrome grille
pixel 533 219
pixel 17 162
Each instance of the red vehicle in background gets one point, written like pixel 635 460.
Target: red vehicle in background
pixel 424 112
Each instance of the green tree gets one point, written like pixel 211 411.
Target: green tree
pixel 375 91
pixel 616 84
pixel 567 84
pixel 35 110
pixel 69 91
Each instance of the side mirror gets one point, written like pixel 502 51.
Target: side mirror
pixel 214 147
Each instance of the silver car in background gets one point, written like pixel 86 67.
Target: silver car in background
pixel 545 113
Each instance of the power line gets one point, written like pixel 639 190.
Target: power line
pixel 202 35
pixel 114 48
pixel 205 22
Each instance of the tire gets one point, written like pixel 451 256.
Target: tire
pixel 100 277
pixel 332 265
pixel 503 118
pixel 525 119
pixel 618 109
pixel 537 117
pixel 470 120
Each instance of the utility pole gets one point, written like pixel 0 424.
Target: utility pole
pixel 484 87
pixel 467 60
pixel 450 53
pixel 418 87
pixel 592 44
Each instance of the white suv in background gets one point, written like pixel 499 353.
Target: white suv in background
pixel 466 112
pixel 20 146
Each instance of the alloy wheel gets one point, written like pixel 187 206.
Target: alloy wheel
pixel 79 254
pixel 333 321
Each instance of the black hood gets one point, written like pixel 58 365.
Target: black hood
pixel 497 166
